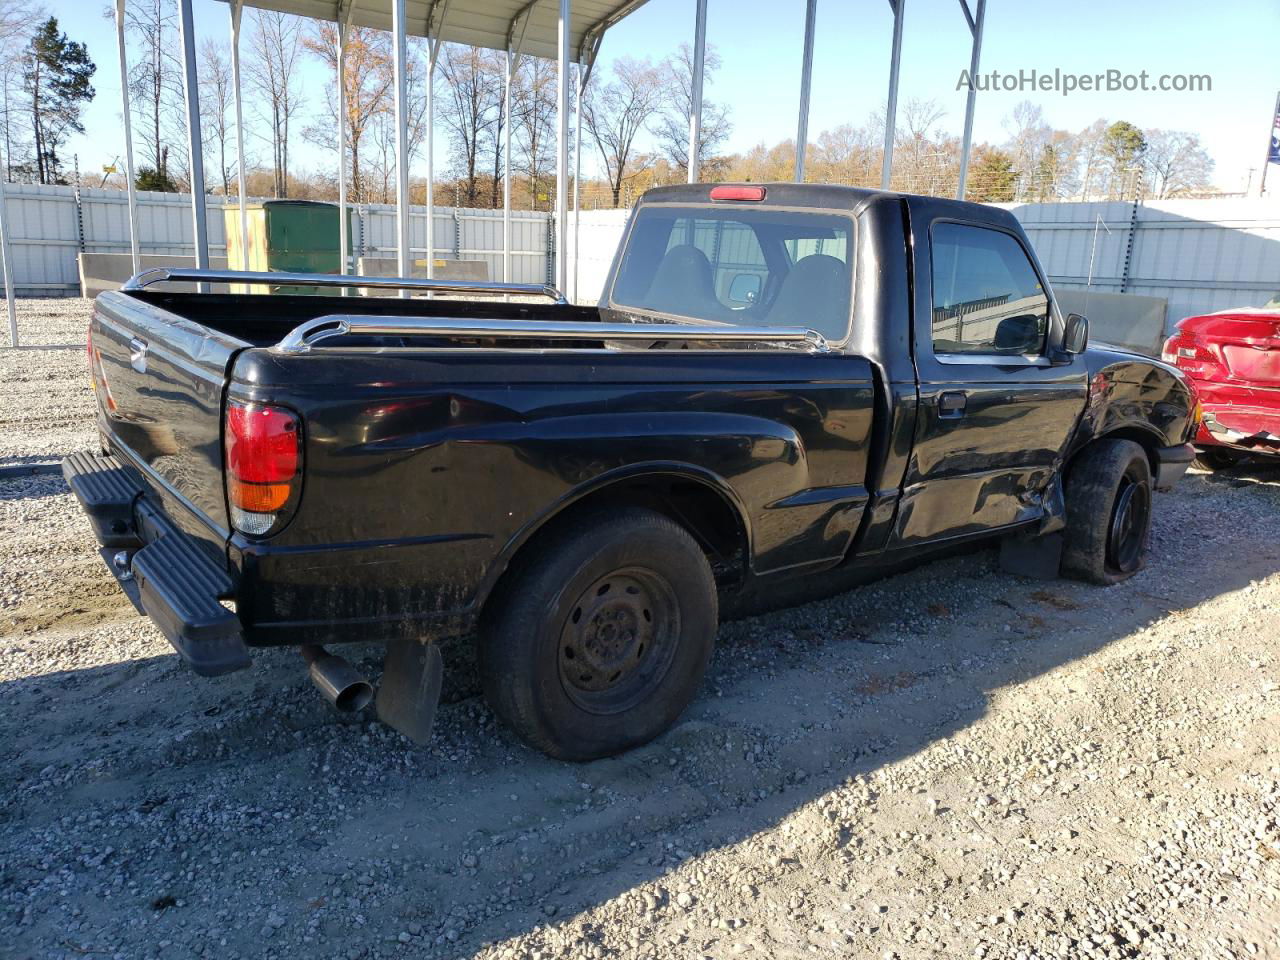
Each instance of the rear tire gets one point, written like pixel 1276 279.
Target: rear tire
pixel 601 634
pixel 1108 494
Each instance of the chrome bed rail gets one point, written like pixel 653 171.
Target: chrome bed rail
pixel 162 274
pixel 307 335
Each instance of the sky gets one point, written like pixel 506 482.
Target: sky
pixel 760 44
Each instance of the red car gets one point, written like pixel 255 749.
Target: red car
pixel 1233 357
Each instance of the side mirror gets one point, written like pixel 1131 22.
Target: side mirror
pixel 1075 337
pixel 744 288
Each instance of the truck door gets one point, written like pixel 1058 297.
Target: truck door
pixel 995 412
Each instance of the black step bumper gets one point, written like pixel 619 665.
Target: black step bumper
pixel 166 574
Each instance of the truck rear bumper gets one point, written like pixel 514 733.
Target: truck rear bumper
pixel 171 579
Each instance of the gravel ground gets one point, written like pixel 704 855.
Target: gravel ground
pixel 951 762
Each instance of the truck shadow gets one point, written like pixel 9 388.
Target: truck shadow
pixel 475 839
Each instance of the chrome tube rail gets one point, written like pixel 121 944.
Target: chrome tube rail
pixel 314 332
pixel 163 274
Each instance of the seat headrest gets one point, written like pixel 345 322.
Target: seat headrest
pixel 812 296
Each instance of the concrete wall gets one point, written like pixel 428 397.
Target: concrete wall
pixel 1121 319
pixel 477 270
pixel 108 271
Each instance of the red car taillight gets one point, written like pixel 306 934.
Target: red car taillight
pixel 264 466
pixel 1187 353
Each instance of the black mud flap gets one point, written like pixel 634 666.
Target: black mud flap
pixel 1036 557
pixel 410 688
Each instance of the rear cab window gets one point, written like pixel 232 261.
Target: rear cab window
pixel 742 267
pixel 987 296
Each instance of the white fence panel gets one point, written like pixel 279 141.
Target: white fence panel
pixel 1199 255
pixel 46 236
pixel 601 232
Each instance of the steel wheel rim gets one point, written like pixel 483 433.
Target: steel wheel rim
pixel 1127 534
pixel 618 640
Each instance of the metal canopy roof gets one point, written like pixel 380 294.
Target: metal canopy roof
pixel 479 23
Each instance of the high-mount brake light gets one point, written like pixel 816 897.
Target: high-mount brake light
pixel 264 466
pixel 737 193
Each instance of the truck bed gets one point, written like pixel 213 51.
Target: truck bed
pixel 261 320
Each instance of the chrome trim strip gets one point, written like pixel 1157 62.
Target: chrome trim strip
pixel 162 274
pixel 307 335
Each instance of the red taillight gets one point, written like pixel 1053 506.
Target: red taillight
pixel 1188 353
pixel 264 465
pixel 737 193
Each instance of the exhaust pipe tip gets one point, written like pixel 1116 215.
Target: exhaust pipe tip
pixel 338 680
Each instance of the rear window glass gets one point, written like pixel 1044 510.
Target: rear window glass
pixel 736 266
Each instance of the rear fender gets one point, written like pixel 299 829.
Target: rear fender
pixel 629 480
pixel 761 470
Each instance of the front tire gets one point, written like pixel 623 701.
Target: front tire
pixel 601 635
pixel 1108 494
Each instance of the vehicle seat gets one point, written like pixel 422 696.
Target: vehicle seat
pixel 683 284
pixel 814 294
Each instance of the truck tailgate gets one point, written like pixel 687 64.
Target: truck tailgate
pixel 160 397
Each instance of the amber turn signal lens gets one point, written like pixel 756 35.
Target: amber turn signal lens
pixel 258 497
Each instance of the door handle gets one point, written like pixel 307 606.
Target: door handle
pixel 951 405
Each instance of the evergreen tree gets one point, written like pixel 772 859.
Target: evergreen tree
pixel 992 177
pixel 55 76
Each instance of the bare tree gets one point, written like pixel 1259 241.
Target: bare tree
pixel 926 158
pixel 1176 162
pixel 1088 145
pixel 1028 134
pixel 847 154
pixel 155 85
pixel 473 79
pixel 533 117
pixel 17 20
pixel 217 101
pixel 274 74
pixel 616 112
pixel 673 126
pixel 369 79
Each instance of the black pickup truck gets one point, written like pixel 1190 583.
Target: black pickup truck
pixel 779 380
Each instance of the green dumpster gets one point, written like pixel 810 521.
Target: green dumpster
pixel 285 236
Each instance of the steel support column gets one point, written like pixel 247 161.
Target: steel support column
pixel 515 44
pixel 237 7
pixel 344 240
pixel 975 23
pixel 806 77
pixel 131 193
pixel 891 106
pixel 433 53
pixel 577 175
pixel 400 46
pixel 7 266
pixel 506 164
pixel 695 100
pixel 195 149
pixel 562 144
